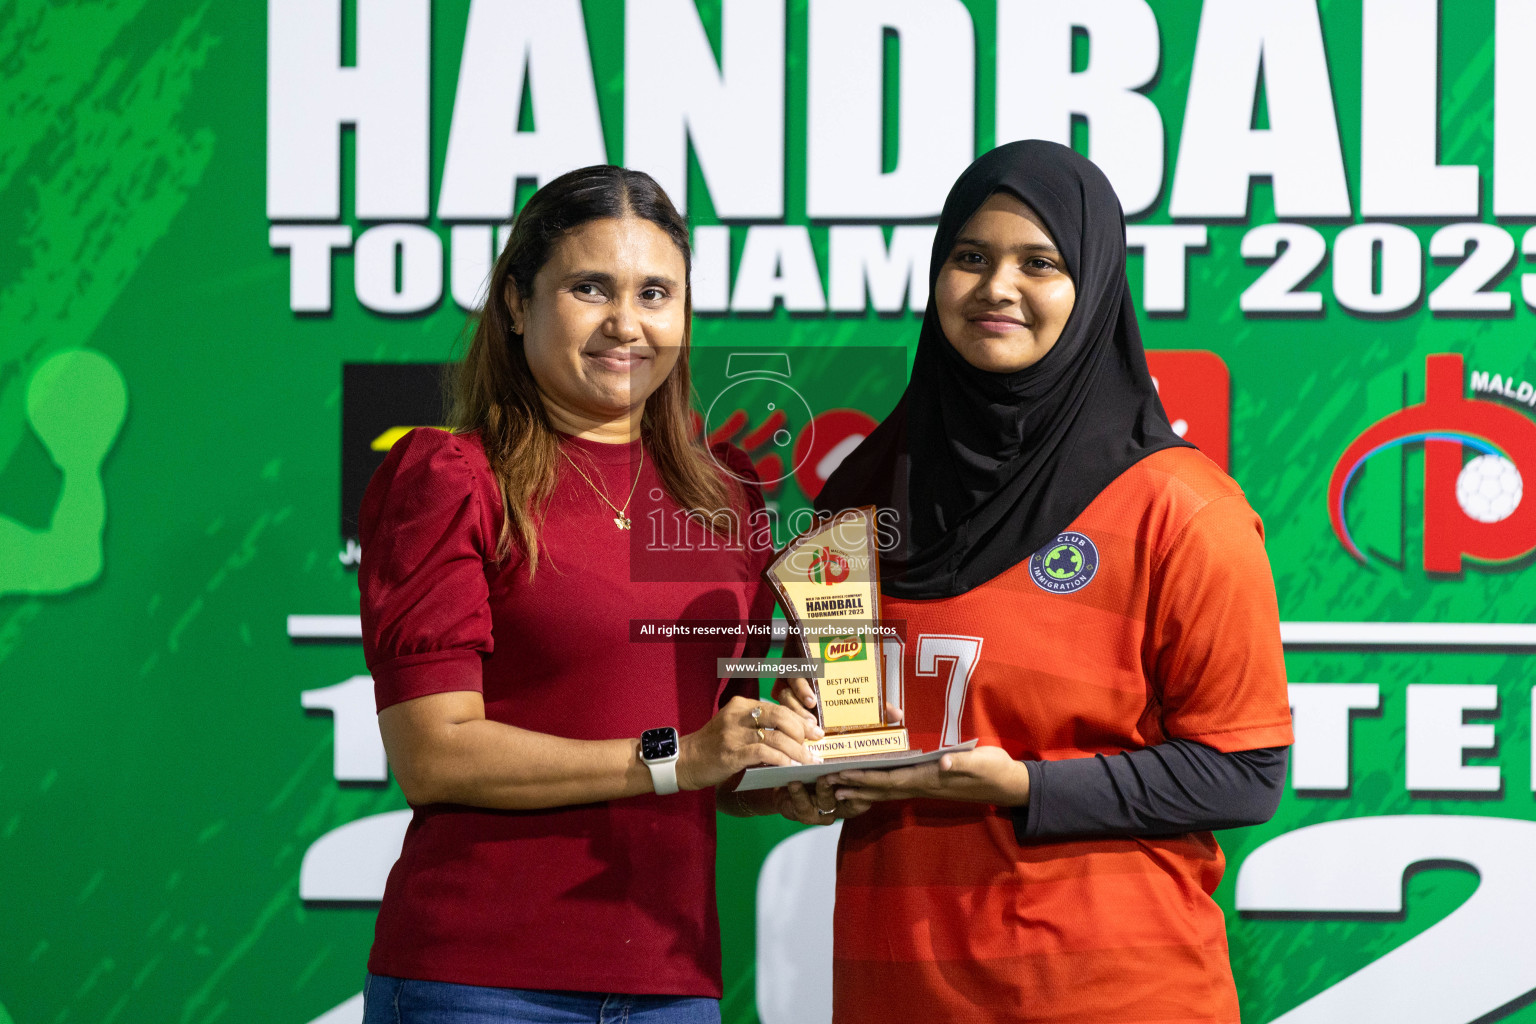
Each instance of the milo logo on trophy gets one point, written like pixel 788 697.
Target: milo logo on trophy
pixel 844 650
pixel 828 581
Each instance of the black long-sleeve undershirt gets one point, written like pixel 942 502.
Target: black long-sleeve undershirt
pixel 1173 787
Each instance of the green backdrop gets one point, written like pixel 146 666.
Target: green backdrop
pixel 170 465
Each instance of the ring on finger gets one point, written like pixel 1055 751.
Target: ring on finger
pixel 761 736
pixel 757 715
pixel 831 812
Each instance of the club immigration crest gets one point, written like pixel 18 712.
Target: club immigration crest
pixel 1065 565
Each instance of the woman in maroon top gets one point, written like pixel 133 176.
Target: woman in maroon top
pixel 553 870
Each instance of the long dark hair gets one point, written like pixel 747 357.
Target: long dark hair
pixel 493 391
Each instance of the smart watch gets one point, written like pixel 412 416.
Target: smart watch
pixel 659 749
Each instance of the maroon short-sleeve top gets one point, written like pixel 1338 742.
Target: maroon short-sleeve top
pixel 605 897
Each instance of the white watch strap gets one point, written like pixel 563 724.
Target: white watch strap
pixel 663 776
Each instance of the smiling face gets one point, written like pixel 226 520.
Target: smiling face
pixel 604 324
pixel 1003 295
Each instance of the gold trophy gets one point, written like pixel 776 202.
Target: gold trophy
pixel 828 582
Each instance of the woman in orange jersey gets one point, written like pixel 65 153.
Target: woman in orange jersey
pixel 1087 595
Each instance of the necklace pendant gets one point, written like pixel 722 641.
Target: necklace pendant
pixel 622 522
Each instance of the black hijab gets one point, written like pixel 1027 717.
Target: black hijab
pixel 982 469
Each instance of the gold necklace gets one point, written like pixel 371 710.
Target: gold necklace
pixel 621 520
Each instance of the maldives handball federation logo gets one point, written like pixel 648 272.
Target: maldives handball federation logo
pixel 1473 452
pixel 1065 565
pixel 827 566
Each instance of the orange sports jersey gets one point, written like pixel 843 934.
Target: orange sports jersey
pixel 1152 616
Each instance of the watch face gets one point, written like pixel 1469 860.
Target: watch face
pixel 658 744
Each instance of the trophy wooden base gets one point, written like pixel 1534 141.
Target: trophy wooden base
pixel 860 744
pixel 772 778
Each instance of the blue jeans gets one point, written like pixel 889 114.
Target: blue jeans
pixel 402 1001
